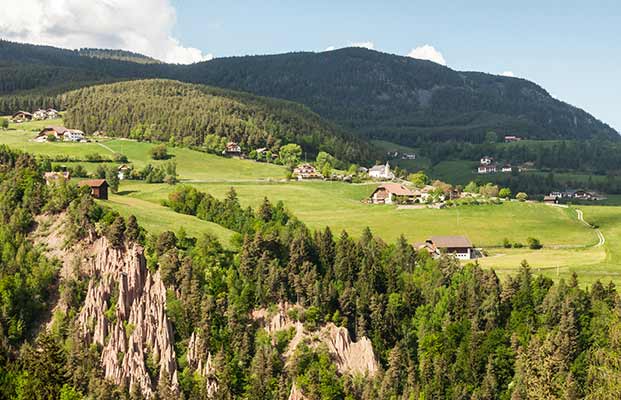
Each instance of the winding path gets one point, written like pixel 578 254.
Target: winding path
pixel 600 235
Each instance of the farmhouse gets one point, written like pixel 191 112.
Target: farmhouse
pixel 57 131
pixel 306 171
pixel 123 171
pixel 550 199
pixel 21 116
pixel 381 172
pixel 390 193
pixel 487 168
pixel 52 114
pixel 61 133
pixel 99 188
pixel 459 246
pixel 39 114
pixel 55 177
pixel 485 160
pixel 512 138
pixel 232 149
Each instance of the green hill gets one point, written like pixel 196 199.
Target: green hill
pixel 164 110
pixel 377 95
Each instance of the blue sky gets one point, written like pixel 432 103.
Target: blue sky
pixel 571 48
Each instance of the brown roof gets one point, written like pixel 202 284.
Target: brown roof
pixel 447 242
pixel 61 130
pixel 397 189
pixel 93 182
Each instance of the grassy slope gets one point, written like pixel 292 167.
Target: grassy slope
pixel 339 205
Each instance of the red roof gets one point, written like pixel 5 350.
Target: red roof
pixel 93 182
pixel 397 189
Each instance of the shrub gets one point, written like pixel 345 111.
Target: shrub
pixel 506 243
pixel 534 243
pixel 118 157
pixel 517 245
pixel 159 152
pixel 521 196
pixel 51 138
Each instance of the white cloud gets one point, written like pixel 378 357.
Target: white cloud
pixel 143 26
pixel 510 74
pixel 427 52
pixel 330 48
pixel 366 45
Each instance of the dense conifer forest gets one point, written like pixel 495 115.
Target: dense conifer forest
pixel 162 110
pixel 374 94
pixel 438 329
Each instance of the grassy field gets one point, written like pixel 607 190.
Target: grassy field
pixel 568 244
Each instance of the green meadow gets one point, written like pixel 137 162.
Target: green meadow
pixel 569 245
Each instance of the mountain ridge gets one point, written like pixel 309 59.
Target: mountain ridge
pixel 377 95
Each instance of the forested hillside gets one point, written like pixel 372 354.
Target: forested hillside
pixel 163 110
pixel 126 314
pixel 375 94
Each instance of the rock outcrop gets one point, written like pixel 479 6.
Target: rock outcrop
pixel 202 364
pixel 296 394
pixel 125 313
pixel 351 357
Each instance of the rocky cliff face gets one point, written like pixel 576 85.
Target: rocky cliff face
pixel 124 312
pixel 202 364
pixel 351 357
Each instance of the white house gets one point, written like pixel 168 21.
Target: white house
pixel 507 168
pixel 381 172
pixel 73 135
pixel 486 160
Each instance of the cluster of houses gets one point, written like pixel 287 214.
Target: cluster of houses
pixel 487 165
pixel 61 134
pixel 403 156
pixel 40 114
pixel 568 195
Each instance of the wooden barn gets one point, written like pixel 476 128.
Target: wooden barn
pixel 99 188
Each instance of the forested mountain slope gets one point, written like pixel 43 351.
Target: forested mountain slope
pixel 165 110
pixel 379 95
pixel 93 306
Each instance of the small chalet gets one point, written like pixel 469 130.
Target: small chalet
pixel 512 138
pixel 306 171
pixel 487 168
pixel 391 193
pixel 486 160
pixel 507 168
pixel 550 199
pixel 232 149
pixel 39 114
pixel 99 188
pixel 21 116
pixel 52 114
pixel 408 156
pixel 123 171
pixel 56 177
pixel 459 246
pixel 382 172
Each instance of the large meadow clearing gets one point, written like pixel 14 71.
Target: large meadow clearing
pixel 569 245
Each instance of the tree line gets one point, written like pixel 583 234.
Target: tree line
pixel 439 329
